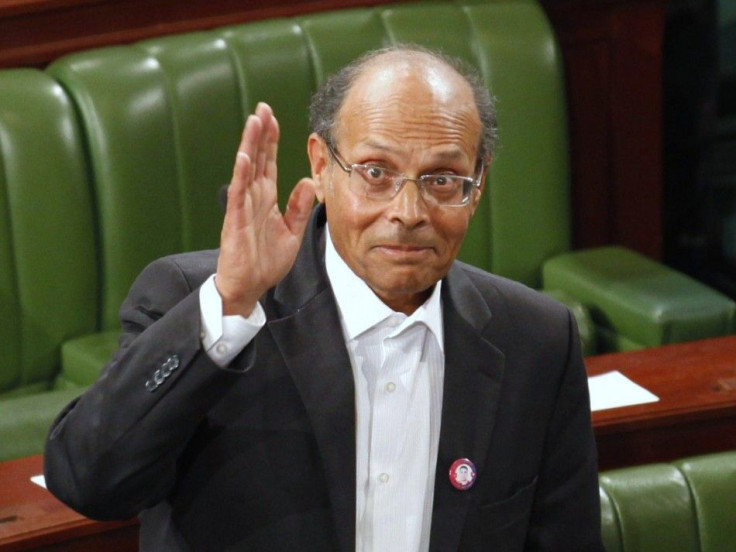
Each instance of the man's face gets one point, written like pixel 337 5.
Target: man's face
pixel 415 118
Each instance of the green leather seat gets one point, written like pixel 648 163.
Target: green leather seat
pixel 635 302
pixel 48 254
pixel 686 506
pixel 48 268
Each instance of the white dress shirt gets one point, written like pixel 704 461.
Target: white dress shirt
pixel 398 370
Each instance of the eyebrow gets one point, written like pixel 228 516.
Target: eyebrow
pixel 454 154
pixel 381 147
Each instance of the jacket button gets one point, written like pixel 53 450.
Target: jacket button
pixel 171 363
pixel 158 377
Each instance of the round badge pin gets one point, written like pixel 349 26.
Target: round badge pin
pixel 462 474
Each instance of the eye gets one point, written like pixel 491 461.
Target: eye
pixel 445 188
pixel 443 182
pixel 374 175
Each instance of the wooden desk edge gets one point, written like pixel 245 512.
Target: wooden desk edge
pixel 70 526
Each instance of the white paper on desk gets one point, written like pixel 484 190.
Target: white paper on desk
pixel 613 390
pixel 39 480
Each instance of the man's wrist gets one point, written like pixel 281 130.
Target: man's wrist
pixel 224 336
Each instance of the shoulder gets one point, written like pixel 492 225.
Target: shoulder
pixel 510 314
pixel 192 268
pixel 167 280
pixel 502 293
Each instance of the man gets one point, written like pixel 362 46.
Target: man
pixel 356 361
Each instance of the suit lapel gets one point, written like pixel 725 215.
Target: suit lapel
pixel 307 331
pixel 306 327
pixel 473 373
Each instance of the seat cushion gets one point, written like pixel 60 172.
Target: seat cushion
pixel 82 359
pixel 25 421
pixel 638 301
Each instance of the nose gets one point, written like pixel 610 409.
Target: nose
pixel 408 207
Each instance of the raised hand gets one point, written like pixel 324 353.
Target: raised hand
pixel 258 244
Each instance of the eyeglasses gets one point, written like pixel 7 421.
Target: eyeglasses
pixel 381 184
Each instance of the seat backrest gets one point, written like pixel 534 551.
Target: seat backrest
pixel 48 267
pixel 653 509
pixel 712 482
pixel 162 119
pixel 160 139
pixel 686 506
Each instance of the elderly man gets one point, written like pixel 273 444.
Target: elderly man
pixel 317 382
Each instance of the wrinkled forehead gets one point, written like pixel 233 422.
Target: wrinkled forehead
pixel 413 98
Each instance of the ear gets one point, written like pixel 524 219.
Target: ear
pixel 319 161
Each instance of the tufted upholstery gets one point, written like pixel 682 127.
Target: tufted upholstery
pixel 48 254
pixel 686 506
pixel 113 157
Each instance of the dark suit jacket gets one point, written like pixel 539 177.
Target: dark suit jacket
pixel 261 456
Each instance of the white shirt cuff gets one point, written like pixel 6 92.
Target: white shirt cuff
pixel 224 337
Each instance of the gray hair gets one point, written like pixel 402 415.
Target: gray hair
pixel 329 98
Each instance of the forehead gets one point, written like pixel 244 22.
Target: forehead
pixel 411 102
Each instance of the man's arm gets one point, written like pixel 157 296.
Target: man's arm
pixel 113 452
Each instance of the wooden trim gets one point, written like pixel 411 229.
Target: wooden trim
pixel 612 53
pixel 35 32
pixel 696 411
pixel 31 518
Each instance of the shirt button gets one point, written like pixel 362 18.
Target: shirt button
pixel 383 478
pixel 390 387
pixel 221 349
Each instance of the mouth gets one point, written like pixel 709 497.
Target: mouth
pixel 405 252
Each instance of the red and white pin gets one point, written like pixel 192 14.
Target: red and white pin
pixel 462 474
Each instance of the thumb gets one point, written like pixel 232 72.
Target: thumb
pixel 299 206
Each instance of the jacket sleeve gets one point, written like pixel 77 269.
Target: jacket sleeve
pixel 112 452
pixel 566 511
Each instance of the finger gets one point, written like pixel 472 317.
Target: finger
pixel 299 207
pixel 249 141
pixel 237 187
pixel 272 151
pixel 251 135
pixel 258 196
pixel 263 110
pixel 265 115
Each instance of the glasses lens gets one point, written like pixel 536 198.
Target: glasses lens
pixel 376 182
pixel 373 181
pixel 447 189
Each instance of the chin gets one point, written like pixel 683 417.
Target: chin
pixel 400 287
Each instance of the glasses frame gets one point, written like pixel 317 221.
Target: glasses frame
pixel 402 179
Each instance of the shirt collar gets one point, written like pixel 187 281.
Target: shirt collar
pixel 360 308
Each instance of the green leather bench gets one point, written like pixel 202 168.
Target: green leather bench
pixel 685 506
pixel 113 157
